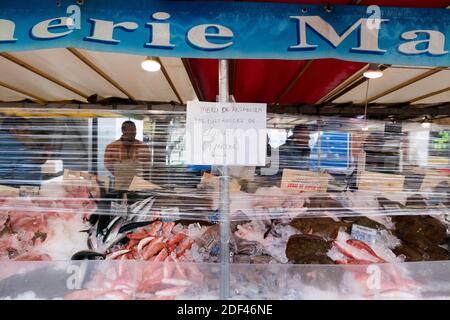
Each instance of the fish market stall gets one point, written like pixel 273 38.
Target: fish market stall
pixel 102 195
pixel 284 244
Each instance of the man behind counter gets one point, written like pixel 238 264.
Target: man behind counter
pixel 127 157
pixel 295 153
pixel 19 164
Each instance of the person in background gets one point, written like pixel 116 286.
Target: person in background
pixel 295 153
pixel 19 164
pixel 127 157
pixel 260 169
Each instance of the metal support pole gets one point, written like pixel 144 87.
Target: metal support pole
pixel 224 198
pixel 319 144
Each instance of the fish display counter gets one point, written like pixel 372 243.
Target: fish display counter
pixel 348 226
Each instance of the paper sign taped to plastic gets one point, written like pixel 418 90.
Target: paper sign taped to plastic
pixel 304 181
pixel 233 134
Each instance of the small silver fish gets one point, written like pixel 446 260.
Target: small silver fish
pixel 143 215
pixel 135 209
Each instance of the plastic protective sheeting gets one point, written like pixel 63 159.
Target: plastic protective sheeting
pixel 107 280
pixel 130 280
pixel 315 167
pixel 328 167
pixel 334 191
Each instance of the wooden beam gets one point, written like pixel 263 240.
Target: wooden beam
pixel 294 81
pixel 346 110
pixel 193 80
pixel 169 80
pixel 425 96
pixel 42 74
pixel 91 65
pixel 406 83
pixel 25 93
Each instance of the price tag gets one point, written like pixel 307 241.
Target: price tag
pixel 304 181
pixel 29 191
pixel 364 234
pixel 381 182
pixel 215 217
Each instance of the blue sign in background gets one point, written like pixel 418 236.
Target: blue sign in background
pixel 261 30
pixel 334 151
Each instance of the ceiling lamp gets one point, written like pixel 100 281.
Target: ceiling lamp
pixel 151 64
pixel 426 123
pixel 374 71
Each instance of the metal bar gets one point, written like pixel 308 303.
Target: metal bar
pixel 91 65
pixel 319 143
pixel 294 81
pixel 224 198
pixel 42 74
pixel 95 146
pixel 367 101
pixel 169 80
pixel 90 146
pixel 232 76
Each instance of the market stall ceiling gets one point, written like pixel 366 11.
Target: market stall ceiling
pixel 8 95
pixel 395 77
pixel 311 82
pixel 55 75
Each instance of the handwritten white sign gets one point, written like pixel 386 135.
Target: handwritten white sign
pixel 231 134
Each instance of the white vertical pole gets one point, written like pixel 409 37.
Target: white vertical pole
pixel 224 198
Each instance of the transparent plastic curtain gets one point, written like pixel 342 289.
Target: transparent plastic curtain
pixel 333 191
pixel 138 280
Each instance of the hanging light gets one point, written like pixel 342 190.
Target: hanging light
pixel 151 64
pixel 374 71
pixel 426 123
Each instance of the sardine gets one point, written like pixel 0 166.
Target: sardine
pixel 135 209
pixel 113 229
pixel 88 255
pixel 102 224
pixel 133 225
pixel 113 236
pixel 143 215
pixel 92 241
